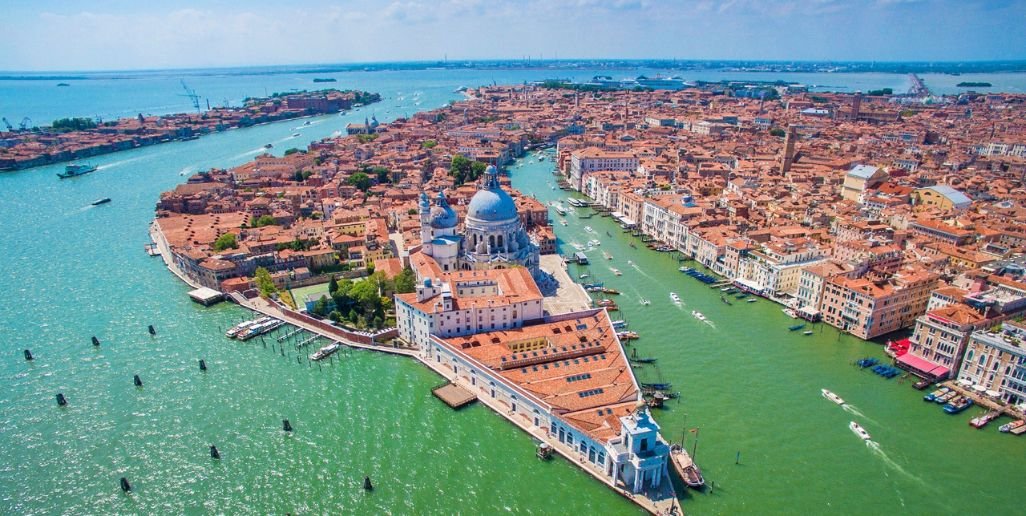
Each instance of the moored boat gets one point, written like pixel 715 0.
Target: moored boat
pixel 859 431
pixel 936 394
pixel 686 467
pixel 325 352
pixel 795 327
pixel 1008 427
pixel 958 405
pixel 982 421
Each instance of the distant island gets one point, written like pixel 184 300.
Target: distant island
pixel 965 84
pixel 324 79
pixel 68 139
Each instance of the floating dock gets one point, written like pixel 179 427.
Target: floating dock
pixel 206 296
pixel 455 396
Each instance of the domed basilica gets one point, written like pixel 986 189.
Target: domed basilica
pixel 494 236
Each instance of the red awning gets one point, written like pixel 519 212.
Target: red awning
pixel 924 366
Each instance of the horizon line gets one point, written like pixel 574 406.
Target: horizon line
pixel 456 62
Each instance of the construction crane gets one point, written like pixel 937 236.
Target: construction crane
pixel 191 93
pixel 8 124
pixel 25 123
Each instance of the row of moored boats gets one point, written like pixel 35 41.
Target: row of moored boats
pixel 248 329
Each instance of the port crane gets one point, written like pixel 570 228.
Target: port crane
pixel 191 93
pixel 10 128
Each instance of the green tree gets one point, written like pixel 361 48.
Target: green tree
pixel 264 282
pixel 429 144
pixel 292 150
pixel 360 180
pixel 320 307
pixel 464 169
pixel 63 125
pixel 226 241
pixel 778 132
pixel 332 285
pixel 263 220
pixel 405 281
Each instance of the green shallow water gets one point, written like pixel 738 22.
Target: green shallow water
pixel 70 271
pixel 750 385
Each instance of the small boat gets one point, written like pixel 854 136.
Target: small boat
pixel 98 202
pixel 324 352
pixel 724 289
pixel 981 421
pixel 796 327
pixel 588 229
pixel 563 222
pixel 751 300
pixel 698 315
pixel 936 394
pixel 627 335
pixel 632 245
pixel 619 324
pixel 593 285
pixel 268 145
pixel 607 255
pixel 583 276
pixel 608 233
pixel 616 271
pixel 958 404
pixel 1008 427
pixel 630 262
pixel 295 135
pixel 74 170
pixel 645 302
pixel 674 297
pixel 946 398
pixel 613 291
pixel 790 313
pixel 643 360
pixel 807 333
pixel 832 397
pixel 686 467
pixel 725 301
pixel 859 431
pixel 867 362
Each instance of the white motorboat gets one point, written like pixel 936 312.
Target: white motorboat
pixel 832 397
pixel 674 297
pixel 859 431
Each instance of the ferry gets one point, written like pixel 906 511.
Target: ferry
pixel 259 329
pixel 74 170
pixel 1008 427
pixel 958 405
pixel 674 297
pixel 832 397
pixel 234 330
pixel 576 203
pixel 936 394
pixel 325 352
pixel 686 467
pixel 859 431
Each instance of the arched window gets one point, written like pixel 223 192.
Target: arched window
pixel 500 241
pixel 491 241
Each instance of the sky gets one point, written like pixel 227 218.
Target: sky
pixel 49 35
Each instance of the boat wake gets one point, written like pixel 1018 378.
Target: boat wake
pixel 119 163
pixel 643 273
pixel 878 451
pixel 257 150
pixel 848 407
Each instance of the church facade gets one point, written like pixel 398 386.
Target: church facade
pixel 494 237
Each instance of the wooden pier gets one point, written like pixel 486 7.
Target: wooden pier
pixel 455 396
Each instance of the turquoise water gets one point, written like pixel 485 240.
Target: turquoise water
pixel 161 92
pixel 71 270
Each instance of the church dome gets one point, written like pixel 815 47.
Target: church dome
pixel 443 217
pixel 491 203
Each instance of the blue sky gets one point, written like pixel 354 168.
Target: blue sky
pixel 118 34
